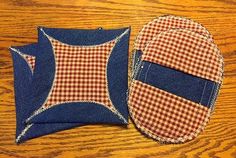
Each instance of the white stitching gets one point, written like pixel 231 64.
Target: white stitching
pixel 23 132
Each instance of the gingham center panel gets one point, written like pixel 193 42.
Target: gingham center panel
pixel 165 116
pixel 186 51
pixel 165 23
pixel 30 60
pixel 80 74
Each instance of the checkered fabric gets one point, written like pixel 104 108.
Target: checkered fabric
pixel 165 23
pixel 186 51
pixel 29 59
pixel 165 116
pixel 80 74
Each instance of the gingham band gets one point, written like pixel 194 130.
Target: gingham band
pixel 165 116
pixel 186 51
pixel 165 23
pixel 80 74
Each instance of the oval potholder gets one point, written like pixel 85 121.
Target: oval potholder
pixel 160 24
pixel 174 91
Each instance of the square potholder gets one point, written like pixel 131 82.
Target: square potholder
pixel 81 76
pixel 30 98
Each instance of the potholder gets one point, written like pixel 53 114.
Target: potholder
pixel 174 91
pixel 24 58
pixel 81 76
pixel 160 24
pixel 28 100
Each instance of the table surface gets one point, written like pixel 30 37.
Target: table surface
pixel 18 23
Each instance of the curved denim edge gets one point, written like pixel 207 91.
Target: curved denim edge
pixel 42 42
pixel 117 75
pixel 44 74
pixel 30 49
pixel 72 112
pixel 22 78
pixel 37 130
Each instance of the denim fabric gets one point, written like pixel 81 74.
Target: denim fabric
pixel 22 82
pixel 190 87
pixel 117 71
pixel 82 36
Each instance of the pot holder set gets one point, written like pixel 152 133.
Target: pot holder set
pixel 177 74
pixel 70 78
pixel 76 77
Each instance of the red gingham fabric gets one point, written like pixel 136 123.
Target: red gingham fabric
pixel 165 23
pixel 165 116
pixel 30 60
pixel 186 51
pixel 80 74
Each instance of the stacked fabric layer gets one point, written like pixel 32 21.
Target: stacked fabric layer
pixel 177 72
pixel 70 78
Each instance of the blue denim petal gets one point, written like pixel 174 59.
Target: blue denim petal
pixel 22 81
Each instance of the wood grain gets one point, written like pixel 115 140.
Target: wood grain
pixel 18 22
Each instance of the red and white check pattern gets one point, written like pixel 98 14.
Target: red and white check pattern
pixel 186 51
pixel 165 116
pixel 30 60
pixel 80 74
pixel 165 23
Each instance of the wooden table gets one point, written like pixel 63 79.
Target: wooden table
pixel 18 22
